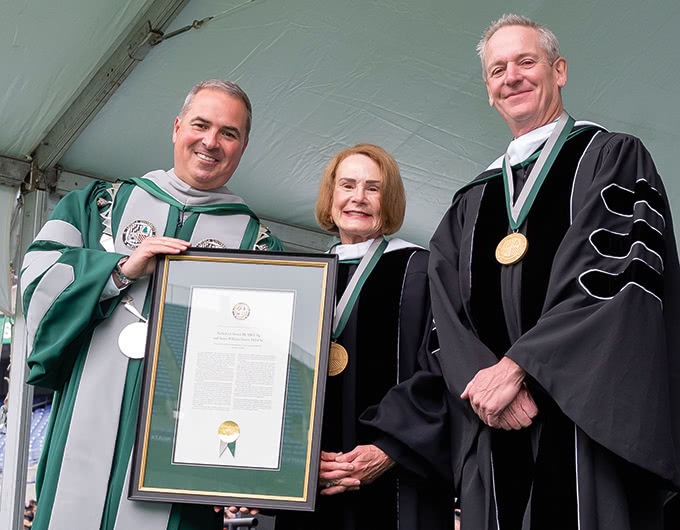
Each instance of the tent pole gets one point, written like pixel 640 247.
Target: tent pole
pixel 20 394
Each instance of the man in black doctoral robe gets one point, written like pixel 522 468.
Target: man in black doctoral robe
pixel 558 347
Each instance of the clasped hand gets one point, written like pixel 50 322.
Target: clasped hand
pixel 500 398
pixel 340 472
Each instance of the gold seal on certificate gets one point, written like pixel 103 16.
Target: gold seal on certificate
pixel 228 432
pixel 512 248
pixel 337 359
pixel 132 340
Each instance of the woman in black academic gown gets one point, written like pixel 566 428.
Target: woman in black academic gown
pixel 362 199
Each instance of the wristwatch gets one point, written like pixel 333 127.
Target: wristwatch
pixel 119 278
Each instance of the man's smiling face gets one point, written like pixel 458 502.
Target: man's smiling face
pixel 210 139
pixel 521 83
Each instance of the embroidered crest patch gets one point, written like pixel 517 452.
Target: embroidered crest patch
pixel 136 232
pixel 211 243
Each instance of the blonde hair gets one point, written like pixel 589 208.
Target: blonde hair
pixel 392 194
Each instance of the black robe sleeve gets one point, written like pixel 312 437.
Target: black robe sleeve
pixel 433 429
pixel 411 430
pixel 413 420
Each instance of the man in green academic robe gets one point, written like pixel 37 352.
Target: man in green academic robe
pixel 84 278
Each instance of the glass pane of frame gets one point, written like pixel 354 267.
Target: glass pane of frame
pixel 235 371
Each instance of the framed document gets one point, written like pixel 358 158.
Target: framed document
pixel 234 377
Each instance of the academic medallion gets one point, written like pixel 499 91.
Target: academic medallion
pixel 337 356
pixel 512 248
pixel 132 340
pixel 337 359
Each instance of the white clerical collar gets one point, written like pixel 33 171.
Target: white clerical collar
pixel 357 250
pixel 523 147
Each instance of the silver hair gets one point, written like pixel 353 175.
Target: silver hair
pixel 546 38
pixel 228 87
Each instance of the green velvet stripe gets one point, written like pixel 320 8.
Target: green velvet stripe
pixel 194 517
pixel 188 227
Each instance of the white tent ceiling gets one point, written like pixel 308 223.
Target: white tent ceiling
pixel 324 75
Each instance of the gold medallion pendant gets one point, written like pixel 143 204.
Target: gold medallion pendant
pixel 512 248
pixel 337 359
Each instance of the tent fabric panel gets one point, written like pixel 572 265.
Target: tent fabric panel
pixel 47 51
pixel 402 74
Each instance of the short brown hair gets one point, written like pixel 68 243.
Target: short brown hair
pixel 392 194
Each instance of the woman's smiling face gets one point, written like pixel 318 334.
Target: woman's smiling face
pixel 356 199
